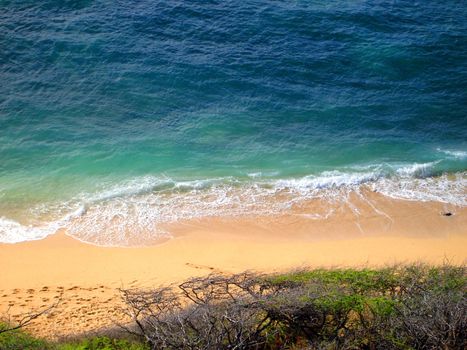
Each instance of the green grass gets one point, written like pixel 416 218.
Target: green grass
pixel 20 340
pixel 442 278
pixel 102 343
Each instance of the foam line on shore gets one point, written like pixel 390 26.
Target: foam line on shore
pixel 133 212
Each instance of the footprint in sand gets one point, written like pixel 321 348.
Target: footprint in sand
pixel 203 267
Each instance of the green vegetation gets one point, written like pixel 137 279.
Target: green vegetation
pixel 400 307
pixel 102 343
pixel 20 340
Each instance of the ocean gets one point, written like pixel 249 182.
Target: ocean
pixel 117 117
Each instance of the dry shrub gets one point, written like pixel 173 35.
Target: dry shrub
pixel 414 307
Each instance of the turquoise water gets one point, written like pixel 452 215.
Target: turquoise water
pixel 122 115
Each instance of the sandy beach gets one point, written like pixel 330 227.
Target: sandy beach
pixel 86 278
pixel 143 144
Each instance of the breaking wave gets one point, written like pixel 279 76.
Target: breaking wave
pixel 134 212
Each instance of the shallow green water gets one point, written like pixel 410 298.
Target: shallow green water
pixel 149 110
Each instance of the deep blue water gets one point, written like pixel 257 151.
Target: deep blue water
pixel 111 103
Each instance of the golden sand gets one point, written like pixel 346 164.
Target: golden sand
pixel 87 277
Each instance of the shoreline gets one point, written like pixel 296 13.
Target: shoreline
pixel 88 276
pixel 148 217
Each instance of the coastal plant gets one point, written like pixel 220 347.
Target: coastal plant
pixel 101 343
pixel 19 340
pixel 432 319
pixel 399 307
pixel 214 312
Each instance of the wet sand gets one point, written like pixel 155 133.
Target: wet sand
pixel 86 278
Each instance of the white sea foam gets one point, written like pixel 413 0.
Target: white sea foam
pixel 416 170
pixel 119 220
pixel 13 232
pixel 457 154
pixel 326 180
pixel 134 212
pixel 442 189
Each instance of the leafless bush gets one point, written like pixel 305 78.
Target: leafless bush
pixel 432 320
pixel 215 312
